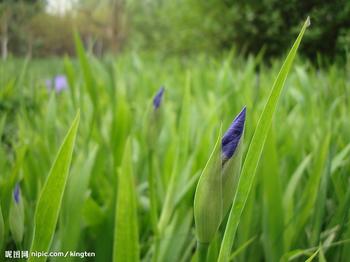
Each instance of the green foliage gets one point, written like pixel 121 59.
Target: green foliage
pixel 267 22
pixel 304 168
pixel 2 229
pixel 251 26
pixel 182 26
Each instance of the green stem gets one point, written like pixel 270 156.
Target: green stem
pixel 156 248
pixel 202 251
pixel 152 195
pixel 153 205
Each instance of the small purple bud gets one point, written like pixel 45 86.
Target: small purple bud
pixel 58 83
pixel 16 193
pixel 158 98
pixel 232 136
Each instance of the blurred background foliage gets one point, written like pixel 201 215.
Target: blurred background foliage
pixel 39 28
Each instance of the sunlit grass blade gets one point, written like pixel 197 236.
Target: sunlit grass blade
pixel 75 197
pixel 185 117
pixel 255 150
pixel 321 255
pixel 2 152
pixel 294 181
pixel 69 70
pixel 2 229
pixel 312 189
pixel 241 248
pixel 311 258
pixel 288 199
pixel 126 240
pixel 340 158
pixel 49 203
pixel 167 209
pixel 273 216
pixel 318 213
pixel 85 66
pixel 176 232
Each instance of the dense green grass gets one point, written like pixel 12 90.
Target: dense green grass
pixel 298 205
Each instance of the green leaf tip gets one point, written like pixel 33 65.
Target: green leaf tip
pixel 308 21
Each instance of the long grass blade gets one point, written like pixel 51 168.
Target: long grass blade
pixel 126 240
pixel 49 203
pixel 255 150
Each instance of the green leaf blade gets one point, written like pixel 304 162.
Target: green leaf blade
pixel 50 200
pixel 126 240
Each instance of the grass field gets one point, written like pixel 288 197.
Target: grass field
pixel 298 206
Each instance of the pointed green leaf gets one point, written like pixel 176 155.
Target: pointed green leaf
pixel 87 72
pixel 208 197
pixel 126 240
pixel 49 203
pixel 2 229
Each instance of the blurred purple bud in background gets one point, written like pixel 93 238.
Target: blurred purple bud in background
pixel 58 83
pixel 16 193
pixel 158 98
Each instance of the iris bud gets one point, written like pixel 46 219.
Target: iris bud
pixel 217 184
pixel 154 119
pixel 208 198
pixel 157 100
pixel 231 159
pixel 16 216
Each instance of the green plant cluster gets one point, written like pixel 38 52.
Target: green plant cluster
pixel 93 180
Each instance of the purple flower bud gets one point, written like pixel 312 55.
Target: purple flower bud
pixel 158 98
pixel 58 83
pixel 16 193
pixel 232 136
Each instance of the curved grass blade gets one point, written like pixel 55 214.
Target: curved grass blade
pixel 49 203
pixel 126 240
pixel 241 248
pixel 272 208
pixel 255 149
pixel 311 258
pixel 312 191
pixel 294 181
pixel 75 198
pixel 85 66
pixel 340 158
